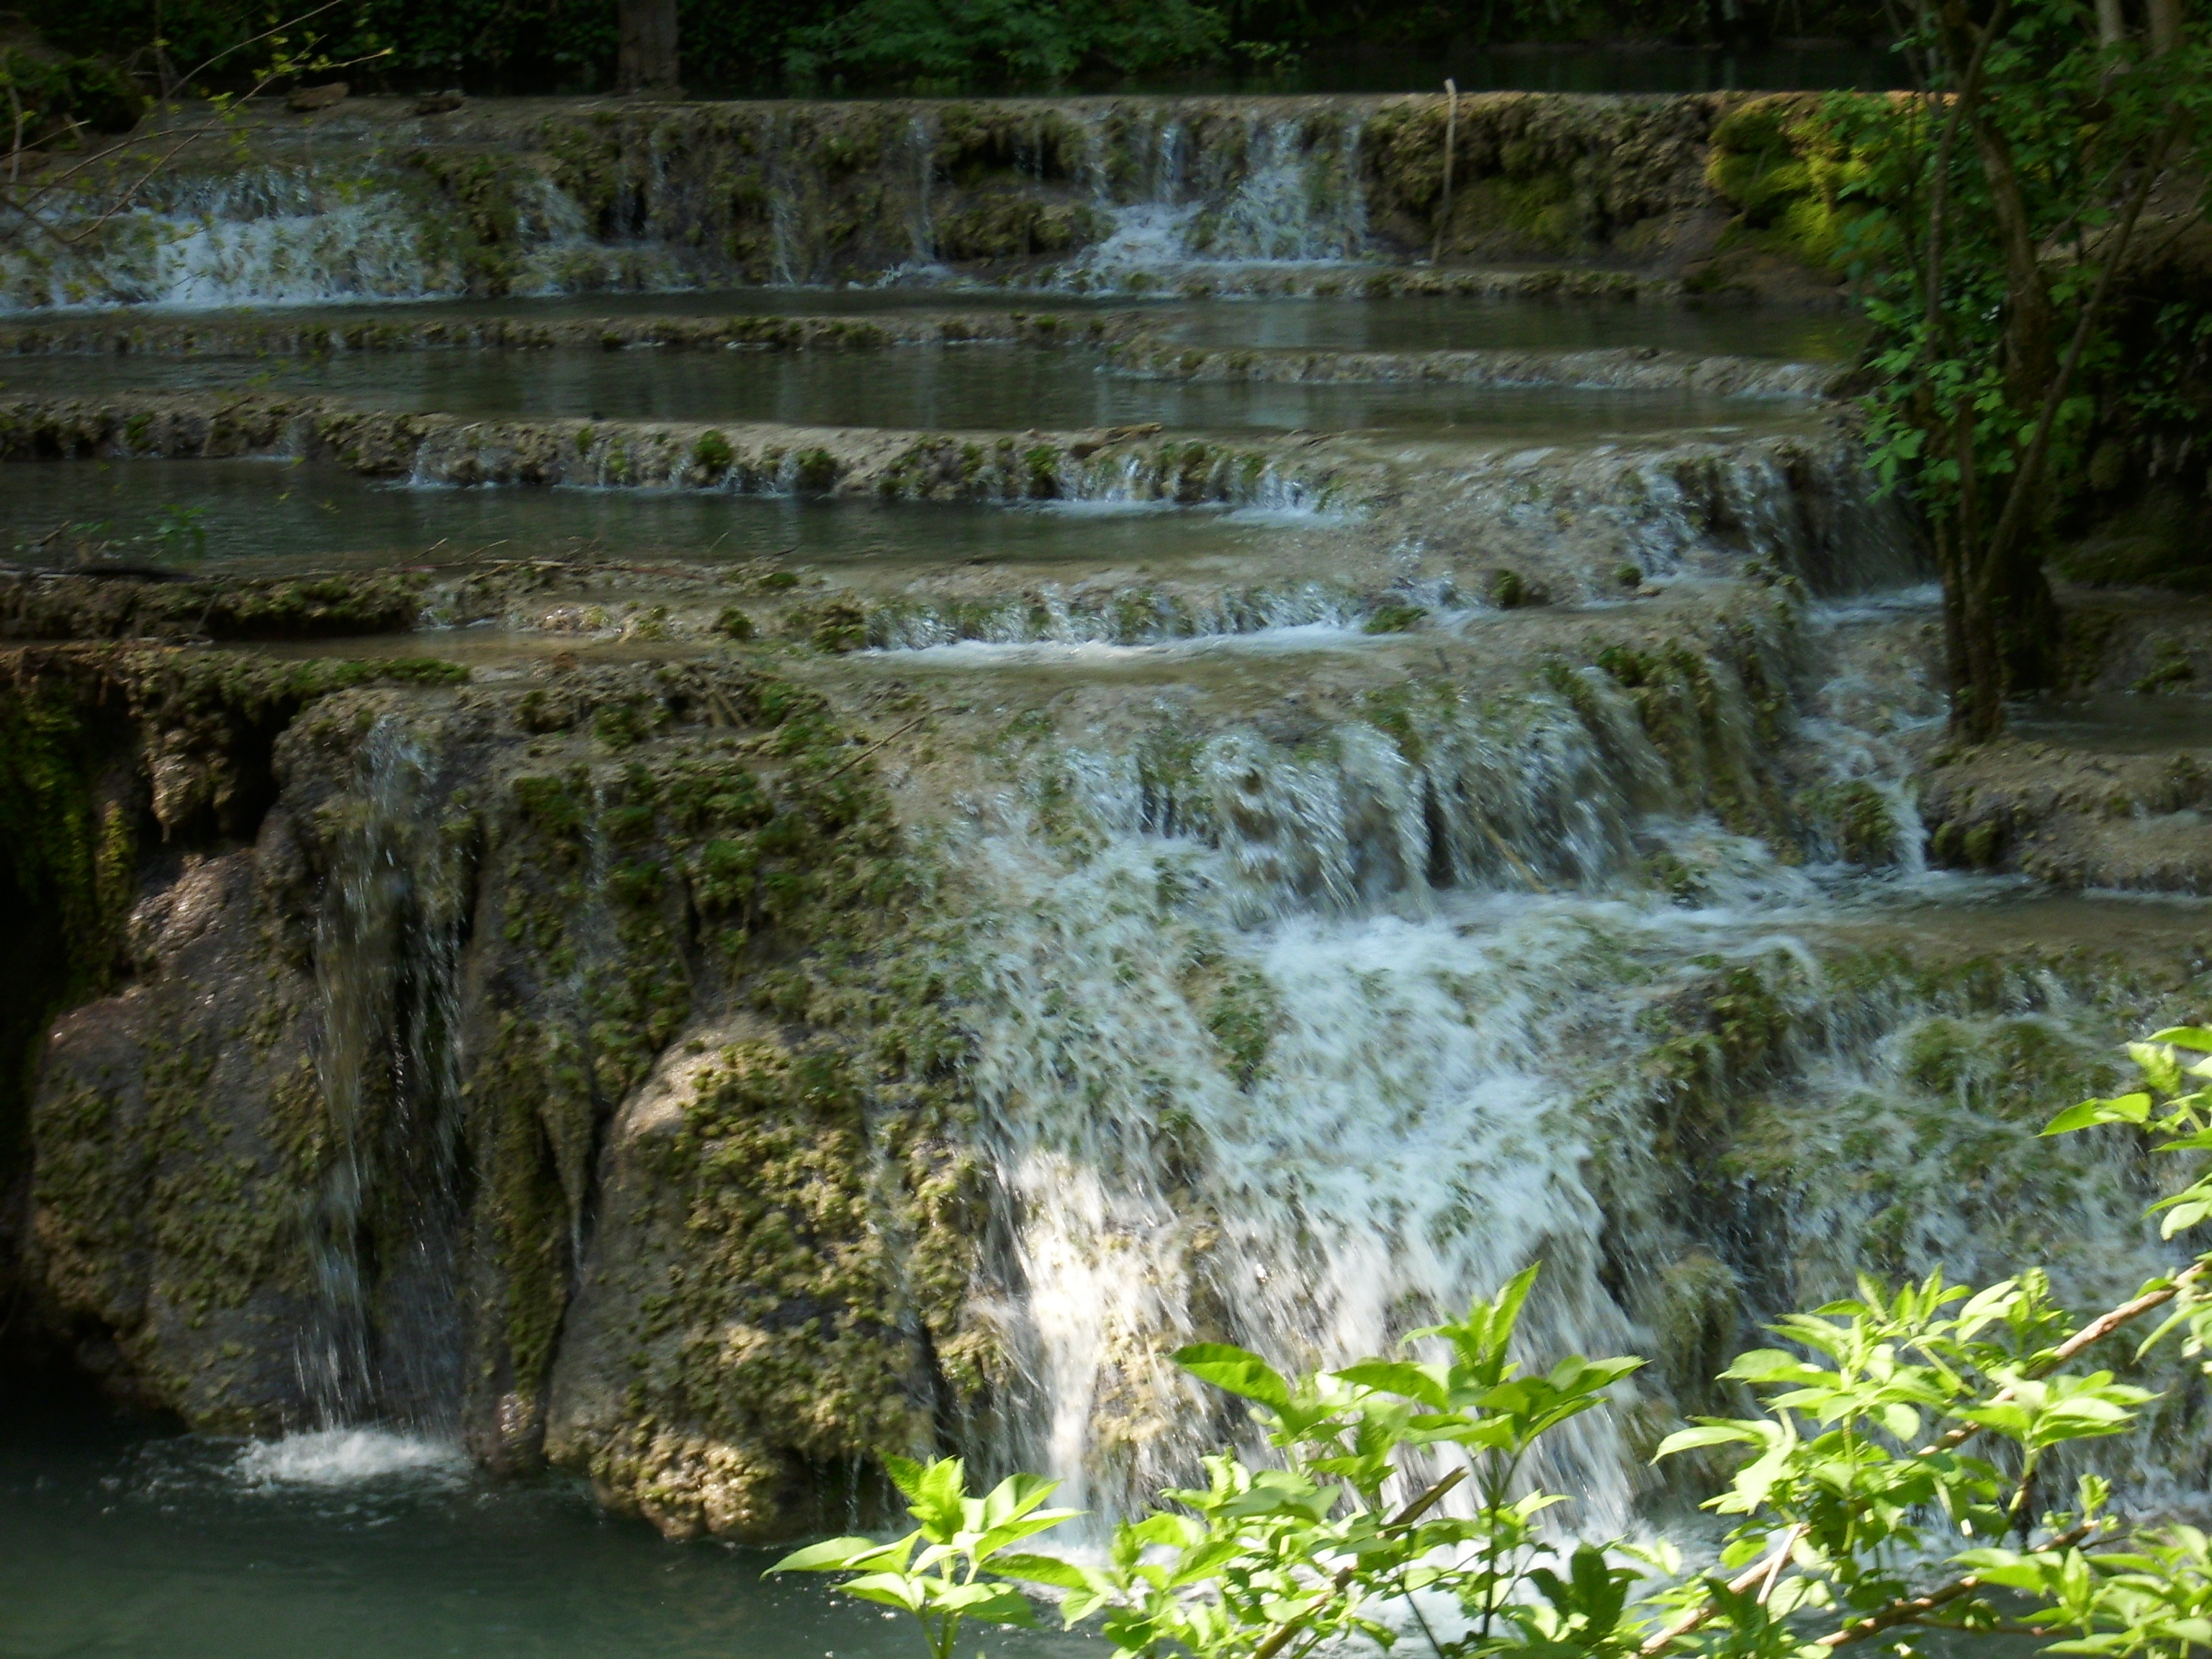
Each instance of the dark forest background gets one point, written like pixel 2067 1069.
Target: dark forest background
pixel 940 46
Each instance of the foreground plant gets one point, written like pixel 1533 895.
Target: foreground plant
pixel 934 1572
pixel 1890 1423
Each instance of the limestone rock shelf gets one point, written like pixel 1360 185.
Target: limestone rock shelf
pixel 705 951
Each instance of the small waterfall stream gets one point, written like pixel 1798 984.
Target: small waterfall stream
pixel 384 1230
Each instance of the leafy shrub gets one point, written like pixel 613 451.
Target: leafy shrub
pixel 1888 1429
pixel 941 44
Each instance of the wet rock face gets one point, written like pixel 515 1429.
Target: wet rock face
pixel 2137 823
pixel 148 604
pixel 811 192
pixel 763 1014
pixel 509 999
pixel 580 1055
pixel 1136 195
pixel 2106 783
pixel 1541 176
pixel 755 460
pixel 276 337
pixel 169 1124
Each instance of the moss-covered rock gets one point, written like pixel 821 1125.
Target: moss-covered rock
pixel 1536 176
pixel 178 607
pixel 428 956
pixel 1779 162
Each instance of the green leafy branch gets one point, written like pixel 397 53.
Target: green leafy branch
pixel 1887 1421
pixel 936 1571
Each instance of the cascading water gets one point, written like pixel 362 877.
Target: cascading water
pixel 922 141
pixel 1182 195
pixel 271 235
pixel 306 233
pixel 1270 193
pixel 1300 1045
pixel 383 1229
pixel 1333 945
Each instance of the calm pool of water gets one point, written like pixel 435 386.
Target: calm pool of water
pixel 121 1543
pixel 255 513
pixel 2118 724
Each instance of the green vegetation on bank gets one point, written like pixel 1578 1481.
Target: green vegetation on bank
pixel 923 46
pixel 2029 240
pixel 1912 1465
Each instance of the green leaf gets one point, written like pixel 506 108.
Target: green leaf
pixel 996 1604
pixel 1016 1495
pixel 1042 1569
pixel 1398 1378
pixel 1235 1371
pixel 2198 1038
pixel 1770 1365
pixel 2184 1216
pixel 890 1590
pixel 828 1556
pixel 990 1543
pixel 906 1474
pixel 936 1497
pixel 1507 1305
pixel 1710 1434
pixel 2158 1066
pixel 2122 1108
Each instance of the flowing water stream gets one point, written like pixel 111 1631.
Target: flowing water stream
pixel 1340 920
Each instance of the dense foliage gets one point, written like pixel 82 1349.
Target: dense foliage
pixel 45 92
pixel 1991 223
pixel 1909 1468
pixel 741 45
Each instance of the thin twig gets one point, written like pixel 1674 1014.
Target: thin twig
pixel 872 747
pixel 240 45
pixel 2096 1331
pixel 1693 1618
pixel 1939 186
pixel 124 202
pixel 1781 1555
pixel 1906 1608
pixel 1405 1517
pixel 62 178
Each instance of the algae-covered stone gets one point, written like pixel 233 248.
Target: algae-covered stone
pixel 422 928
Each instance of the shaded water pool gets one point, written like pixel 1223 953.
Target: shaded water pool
pixel 2118 723
pixel 245 513
pixel 365 1544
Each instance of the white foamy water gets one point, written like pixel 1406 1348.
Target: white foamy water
pixel 1302 1045
pixel 347 1458
pixel 297 236
pixel 1271 198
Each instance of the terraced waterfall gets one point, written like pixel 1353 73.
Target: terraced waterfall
pixel 698 884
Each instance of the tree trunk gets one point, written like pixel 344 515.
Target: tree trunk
pixel 646 58
pixel 2164 25
pixel 2031 334
pixel 1977 673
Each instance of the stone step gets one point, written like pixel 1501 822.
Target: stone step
pixel 1526 397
